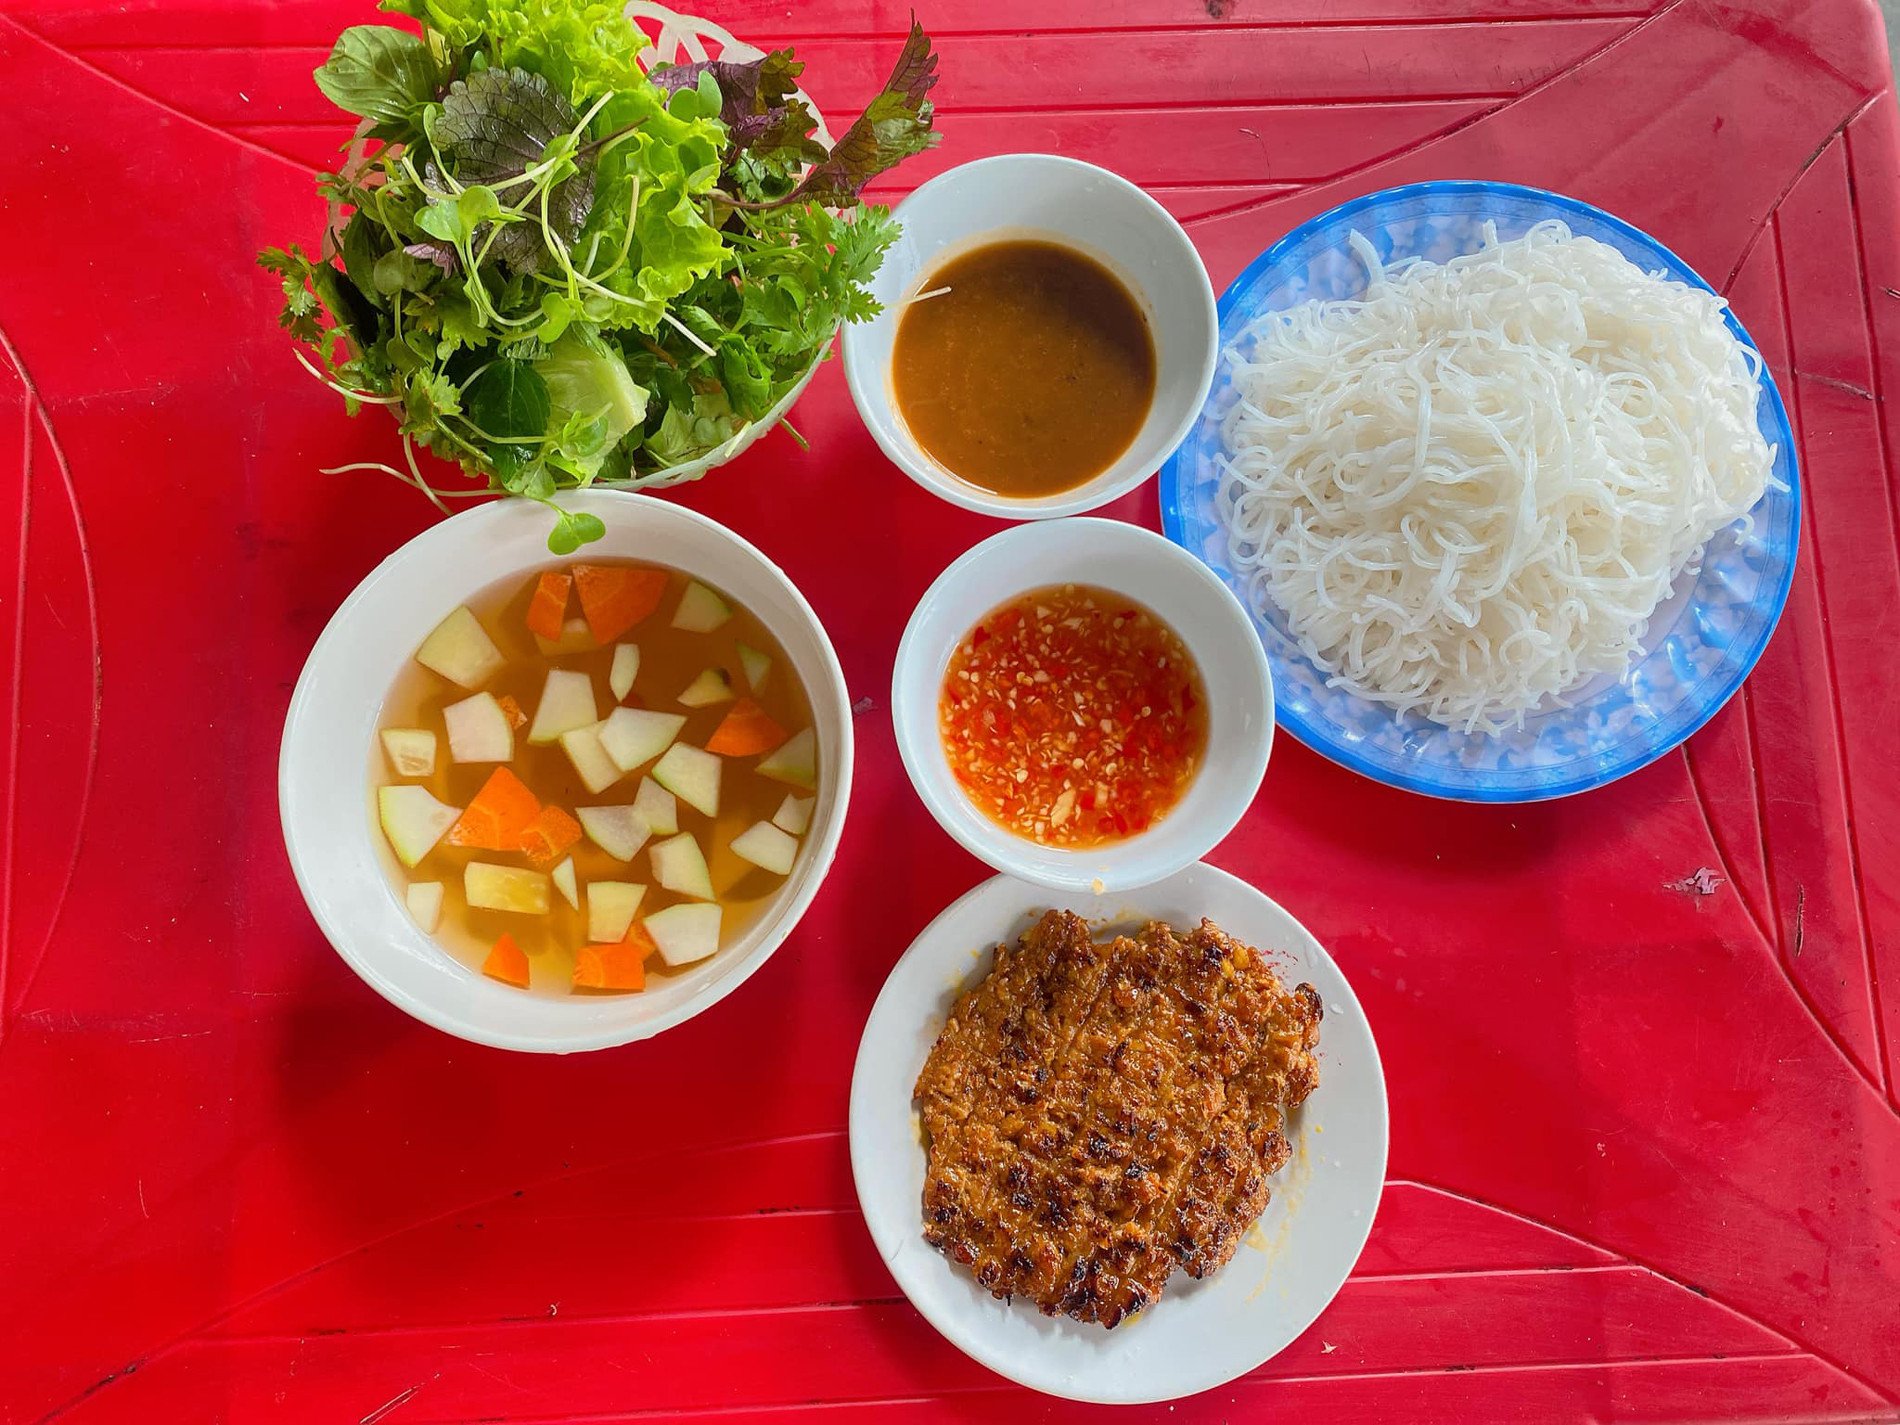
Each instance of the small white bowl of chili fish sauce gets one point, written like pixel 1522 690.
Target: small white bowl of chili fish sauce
pixel 1048 337
pixel 1083 705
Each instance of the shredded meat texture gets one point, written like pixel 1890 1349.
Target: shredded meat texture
pixel 1098 1113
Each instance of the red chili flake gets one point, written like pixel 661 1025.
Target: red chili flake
pixel 1055 703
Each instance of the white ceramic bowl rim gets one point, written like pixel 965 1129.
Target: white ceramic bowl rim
pixel 1137 564
pixel 337 705
pixel 1184 391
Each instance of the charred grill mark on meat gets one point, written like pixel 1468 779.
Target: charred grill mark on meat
pixel 1098 1113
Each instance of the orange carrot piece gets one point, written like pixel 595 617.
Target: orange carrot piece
pixel 614 598
pixel 610 967
pixel 506 963
pixel 615 967
pixel 552 832
pixel 502 810
pixel 511 709
pixel 547 610
pixel 746 730
pixel 638 938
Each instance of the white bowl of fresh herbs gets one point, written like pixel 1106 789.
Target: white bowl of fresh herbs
pixel 559 270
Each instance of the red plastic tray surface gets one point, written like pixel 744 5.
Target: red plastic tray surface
pixel 1645 1155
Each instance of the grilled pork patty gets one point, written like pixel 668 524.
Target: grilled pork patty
pixel 1097 1113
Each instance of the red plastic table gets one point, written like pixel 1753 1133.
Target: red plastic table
pixel 1645 1153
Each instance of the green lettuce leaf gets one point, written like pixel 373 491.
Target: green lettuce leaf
pixel 593 399
pixel 656 176
pixel 689 431
pixel 584 48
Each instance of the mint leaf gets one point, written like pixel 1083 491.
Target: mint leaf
pixel 384 75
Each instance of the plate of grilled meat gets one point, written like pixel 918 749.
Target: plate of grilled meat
pixel 1122 1147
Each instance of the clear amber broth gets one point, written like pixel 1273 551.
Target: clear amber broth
pixel 670 659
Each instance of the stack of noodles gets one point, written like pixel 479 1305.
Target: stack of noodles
pixel 1468 491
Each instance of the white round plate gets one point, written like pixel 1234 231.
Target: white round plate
pixel 1199 1334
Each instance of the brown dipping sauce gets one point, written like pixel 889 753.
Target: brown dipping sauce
pixel 1031 375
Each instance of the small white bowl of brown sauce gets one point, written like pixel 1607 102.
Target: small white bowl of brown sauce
pixel 1048 337
pixel 1083 705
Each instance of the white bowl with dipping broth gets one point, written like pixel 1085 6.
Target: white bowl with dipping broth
pixel 1077 205
pixel 330 763
pixel 1184 594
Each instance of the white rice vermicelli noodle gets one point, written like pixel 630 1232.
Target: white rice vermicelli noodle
pixel 1469 490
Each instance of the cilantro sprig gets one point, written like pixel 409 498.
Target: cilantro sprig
pixel 554 269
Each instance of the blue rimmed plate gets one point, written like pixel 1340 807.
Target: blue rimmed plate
pixel 1701 643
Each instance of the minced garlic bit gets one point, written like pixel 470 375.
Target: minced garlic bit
pixel 1073 717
